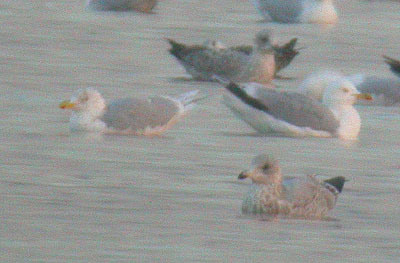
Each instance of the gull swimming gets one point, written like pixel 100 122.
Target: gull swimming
pixel 297 11
pixel 151 116
pixel 305 197
pixel 294 114
pixel 384 91
pixel 283 54
pixel 204 63
pixel 144 6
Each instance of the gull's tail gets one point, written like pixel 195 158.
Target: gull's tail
pixel 285 54
pixel 394 64
pixel 337 182
pixel 177 50
pixel 188 99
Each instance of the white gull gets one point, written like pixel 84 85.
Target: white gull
pixel 139 116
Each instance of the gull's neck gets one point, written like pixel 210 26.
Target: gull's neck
pixel 87 121
pixel 349 120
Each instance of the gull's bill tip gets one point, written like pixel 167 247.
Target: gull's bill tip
pixel 363 96
pixel 66 104
pixel 243 175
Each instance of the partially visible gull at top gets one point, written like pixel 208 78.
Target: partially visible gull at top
pixel 294 114
pixel 204 63
pixel 304 197
pixel 283 54
pixel 297 11
pixel 138 116
pixel 384 91
pixel 145 6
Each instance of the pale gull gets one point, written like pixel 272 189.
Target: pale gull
pixel 283 54
pixel 305 197
pixel 297 11
pixel 204 63
pixel 384 91
pixel 150 116
pixel 294 114
pixel 145 6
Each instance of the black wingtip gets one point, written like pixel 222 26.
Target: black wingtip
pixel 176 48
pixel 337 182
pixel 236 90
pixel 393 63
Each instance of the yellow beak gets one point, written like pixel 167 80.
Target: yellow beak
pixel 363 96
pixel 66 104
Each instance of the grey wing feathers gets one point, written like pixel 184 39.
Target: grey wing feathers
pixel 139 114
pixel 247 50
pixel 285 54
pixel 389 88
pixel 284 11
pixel 298 110
pixel 203 62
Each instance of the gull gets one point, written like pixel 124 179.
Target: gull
pixel 384 91
pixel 294 114
pixel 283 54
pixel 305 197
pixel 297 11
pixel 139 116
pixel 144 6
pixel 205 63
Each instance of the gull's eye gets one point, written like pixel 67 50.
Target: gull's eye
pixel 265 167
pixel 84 98
pixel 345 90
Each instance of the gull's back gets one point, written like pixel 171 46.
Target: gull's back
pixel 298 110
pixel 203 62
pixel 140 114
pixel 284 11
pixel 309 197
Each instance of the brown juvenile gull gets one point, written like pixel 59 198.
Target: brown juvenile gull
pixel 384 91
pixel 151 116
pixel 122 5
pixel 294 114
pixel 297 11
pixel 305 197
pixel 204 63
pixel 283 54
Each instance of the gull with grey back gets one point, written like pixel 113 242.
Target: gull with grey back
pixel 384 91
pixel 139 116
pixel 283 54
pixel 294 114
pixel 204 63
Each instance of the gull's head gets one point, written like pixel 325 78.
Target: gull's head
pixel 86 100
pixel 342 92
pixel 313 85
pixel 263 39
pixel 265 170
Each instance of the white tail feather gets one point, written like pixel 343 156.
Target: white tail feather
pixel 187 99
